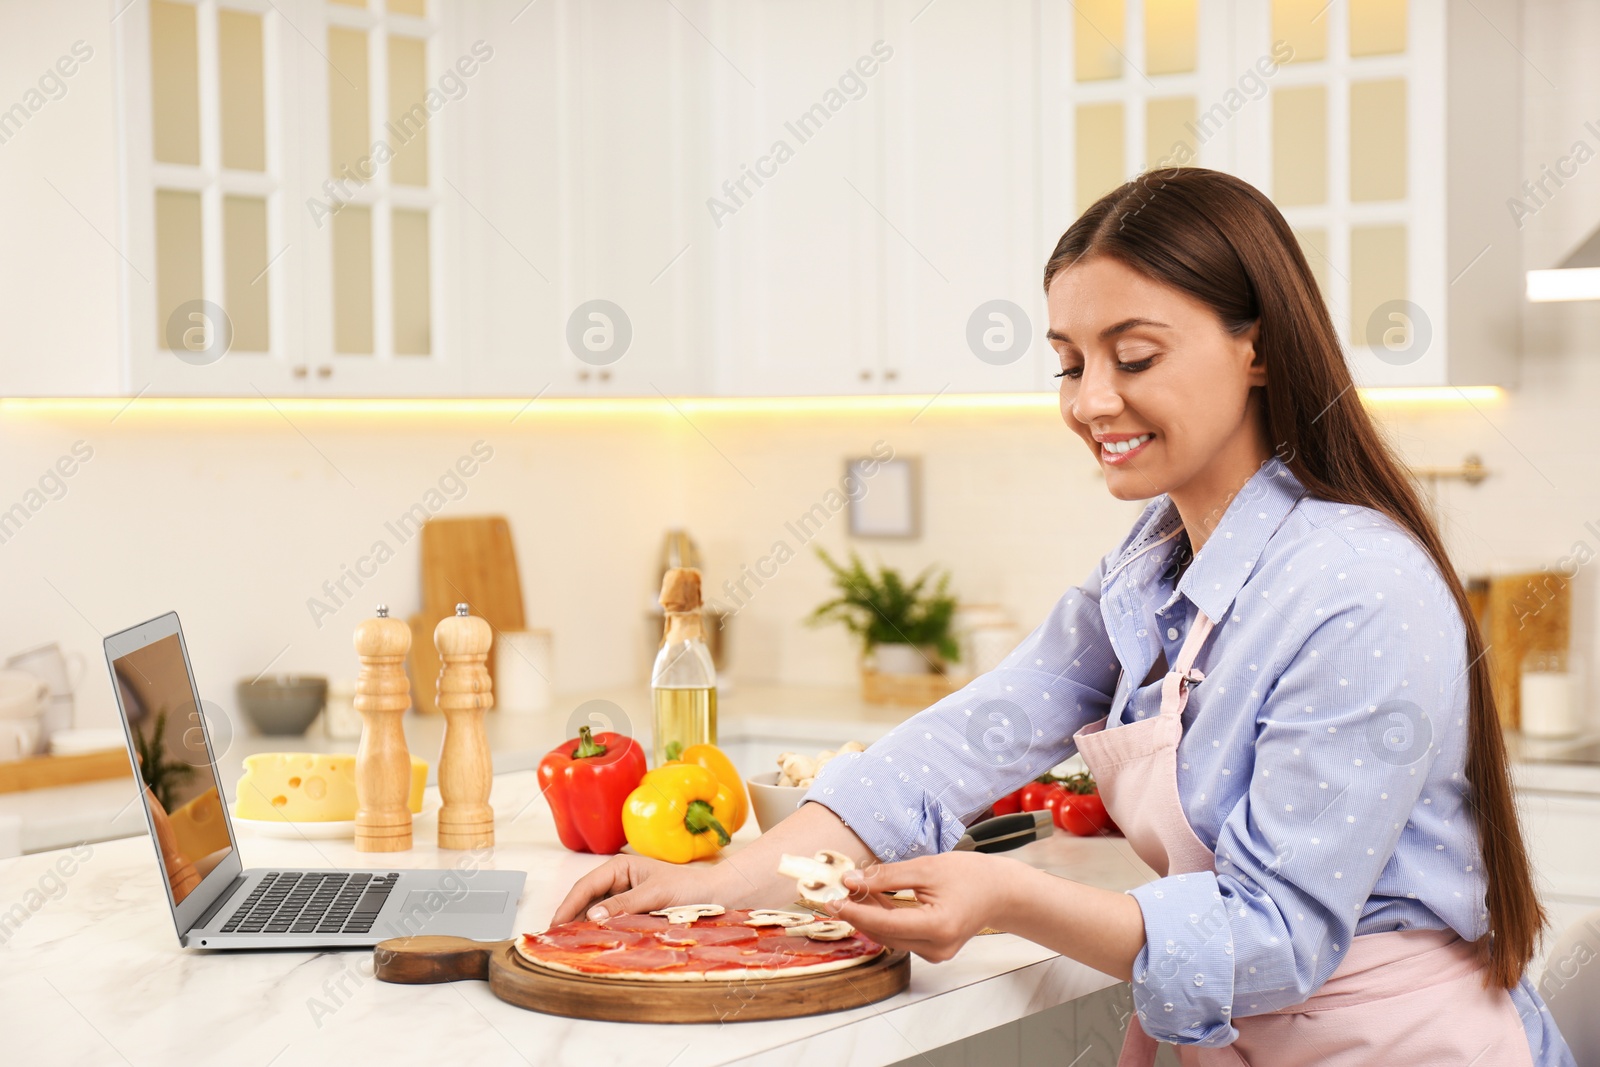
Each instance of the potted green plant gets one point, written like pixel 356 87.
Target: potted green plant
pixel 905 627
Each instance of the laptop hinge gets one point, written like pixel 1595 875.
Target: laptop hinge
pixel 216 905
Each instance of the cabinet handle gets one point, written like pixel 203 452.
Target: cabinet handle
pixel 866 376
pixel 299 371
pixel 891 375
pixel 583 376
pixel 604 376
pixel 325 371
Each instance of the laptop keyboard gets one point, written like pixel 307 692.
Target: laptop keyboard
pixel 330 902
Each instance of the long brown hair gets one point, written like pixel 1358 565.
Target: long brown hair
pixel 1219 240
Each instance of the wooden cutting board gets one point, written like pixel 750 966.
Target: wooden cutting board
pixel 469 561
pixel 428 959
pixel 1529 612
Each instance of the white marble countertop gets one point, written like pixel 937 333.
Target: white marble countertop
pixel 93 973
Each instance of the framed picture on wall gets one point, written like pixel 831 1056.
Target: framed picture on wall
pixel 891 505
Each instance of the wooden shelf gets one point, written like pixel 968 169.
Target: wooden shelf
pixel 46 772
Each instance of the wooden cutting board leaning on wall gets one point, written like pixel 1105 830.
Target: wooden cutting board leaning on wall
pixel 1523 613
pixel 470 561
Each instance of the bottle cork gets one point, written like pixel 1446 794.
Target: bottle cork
pixel 680 599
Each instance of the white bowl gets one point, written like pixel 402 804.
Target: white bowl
pixel 772 803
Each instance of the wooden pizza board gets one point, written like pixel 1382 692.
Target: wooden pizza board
pixel 430 958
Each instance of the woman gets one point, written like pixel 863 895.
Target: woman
pixel 1318 777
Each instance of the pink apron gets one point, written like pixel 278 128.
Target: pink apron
pixel 1414 997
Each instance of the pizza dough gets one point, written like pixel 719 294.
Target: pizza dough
pixel 719 948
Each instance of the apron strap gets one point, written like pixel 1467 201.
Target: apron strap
pixel 1175 687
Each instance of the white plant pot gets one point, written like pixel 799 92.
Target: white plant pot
pixel 900 659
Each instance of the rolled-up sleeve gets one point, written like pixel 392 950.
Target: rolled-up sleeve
pixel 1343 745
pixel 912 792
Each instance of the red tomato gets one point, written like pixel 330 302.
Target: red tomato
pixel 1035 795
pixel 1009 804
pixel 1083 814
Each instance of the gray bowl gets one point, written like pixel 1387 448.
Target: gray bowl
pixel 284 704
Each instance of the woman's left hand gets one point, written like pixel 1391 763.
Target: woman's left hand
pixel 959 894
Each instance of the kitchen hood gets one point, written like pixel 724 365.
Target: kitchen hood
pixel 1578 277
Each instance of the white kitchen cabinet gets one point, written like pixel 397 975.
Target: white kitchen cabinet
pixel 1561 829
pixel 587 263
pixel 882 205
pixel 1380 130
pixel 963 243
pixel 1413 110
pixel 285 180
pixel 788 218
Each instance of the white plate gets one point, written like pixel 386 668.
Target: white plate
pixel 329 830
pixel 298 831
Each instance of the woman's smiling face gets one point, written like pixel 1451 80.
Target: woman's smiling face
pixel 1155 385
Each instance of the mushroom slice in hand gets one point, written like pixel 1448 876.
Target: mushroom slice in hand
pixel 820 877
pixel 770 917
pixel 688 913
pixel 826 930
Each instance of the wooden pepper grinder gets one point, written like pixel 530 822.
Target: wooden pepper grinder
pixel 465 768
pixel 383 763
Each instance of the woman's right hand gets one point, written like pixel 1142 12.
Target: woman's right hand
pixel 635 884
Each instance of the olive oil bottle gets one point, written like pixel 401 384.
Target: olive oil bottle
pixel 684 680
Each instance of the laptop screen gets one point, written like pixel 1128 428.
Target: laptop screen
pixel 180 792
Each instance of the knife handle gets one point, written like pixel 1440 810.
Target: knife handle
pixel 429 958
pixel 1005 832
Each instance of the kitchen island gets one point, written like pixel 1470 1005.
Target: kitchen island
pixel 94 974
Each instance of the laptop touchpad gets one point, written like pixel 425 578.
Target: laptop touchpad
pixel 438 902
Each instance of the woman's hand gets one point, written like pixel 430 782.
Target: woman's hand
pixel 960 893
pixel 632 884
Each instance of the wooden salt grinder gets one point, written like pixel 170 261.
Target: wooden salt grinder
pixel 465 768
pixel 383 764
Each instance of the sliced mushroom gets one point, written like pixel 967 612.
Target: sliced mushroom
pixel 821 877
pixel 771 917
pixel 852 746
pixel 826 930
pixel 684 914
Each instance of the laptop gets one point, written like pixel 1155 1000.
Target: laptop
pixel 216 904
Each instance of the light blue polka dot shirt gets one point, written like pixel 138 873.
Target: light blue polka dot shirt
pixel 1322 759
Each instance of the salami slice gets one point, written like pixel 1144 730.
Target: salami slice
pixel 710 935
pixel 648 923
pixel 642 958
pixel 586 939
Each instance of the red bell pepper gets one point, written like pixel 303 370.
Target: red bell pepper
pixel 586 781
pixel 1081 811
pixel 1009 804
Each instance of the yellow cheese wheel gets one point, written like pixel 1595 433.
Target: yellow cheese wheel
pixel 308 786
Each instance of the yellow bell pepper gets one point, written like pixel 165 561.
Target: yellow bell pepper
pixel 717 762
pixel 679 813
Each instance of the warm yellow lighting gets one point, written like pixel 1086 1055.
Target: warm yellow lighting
pixel 1433 394
pixel 1568 283
pixel 545 407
